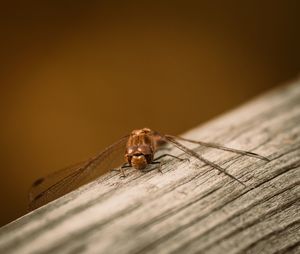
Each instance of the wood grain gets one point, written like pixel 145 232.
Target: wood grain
pixel 190 208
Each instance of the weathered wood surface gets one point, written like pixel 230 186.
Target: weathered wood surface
pixel 190 208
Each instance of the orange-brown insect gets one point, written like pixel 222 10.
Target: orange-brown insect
pixel 140 147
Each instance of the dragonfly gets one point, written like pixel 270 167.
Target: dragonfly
pixel 136 150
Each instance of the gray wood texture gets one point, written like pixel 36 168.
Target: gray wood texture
pixel 190 208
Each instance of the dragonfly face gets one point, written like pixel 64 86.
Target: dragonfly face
pixel 138 161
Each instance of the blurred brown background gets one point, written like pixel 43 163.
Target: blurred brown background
pixel 77 75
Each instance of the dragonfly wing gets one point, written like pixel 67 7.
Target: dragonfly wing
pixel 171 140
pixel 224 148
pixel 68 179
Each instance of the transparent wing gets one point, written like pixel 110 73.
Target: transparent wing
pixel 171 140
pixel 217 146
pixel 68 179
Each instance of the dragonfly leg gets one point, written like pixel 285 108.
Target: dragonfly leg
pixel 121 169
pixel 170 155
pixel 122 172
pixel 159 165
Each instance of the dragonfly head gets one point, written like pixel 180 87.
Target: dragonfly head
pixel 139 161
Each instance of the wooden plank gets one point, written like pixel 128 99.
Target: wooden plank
pixel 190 207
